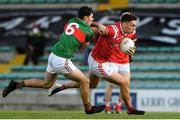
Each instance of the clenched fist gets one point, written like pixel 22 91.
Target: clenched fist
pixel 131 50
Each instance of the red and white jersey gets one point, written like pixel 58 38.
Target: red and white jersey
pixel 107 47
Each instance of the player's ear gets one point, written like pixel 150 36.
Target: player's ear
pixel 123 24
pixel 85 18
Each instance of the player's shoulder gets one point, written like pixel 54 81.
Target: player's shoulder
pixel 72 19
pixel 110 25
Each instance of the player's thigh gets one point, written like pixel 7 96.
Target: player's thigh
pixel 122 69
pixel 126 76
pixel 65 67
pixel 77 76
pixel 117 79
pixel 114 67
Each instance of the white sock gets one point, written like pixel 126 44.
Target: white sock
pixel 108 102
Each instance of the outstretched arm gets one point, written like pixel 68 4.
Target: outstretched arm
pixel 99 28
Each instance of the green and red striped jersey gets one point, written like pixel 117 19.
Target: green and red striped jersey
pixel 75 33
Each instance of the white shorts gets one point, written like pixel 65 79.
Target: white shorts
pixel 120 68
pixel 60 65
pixel 107 68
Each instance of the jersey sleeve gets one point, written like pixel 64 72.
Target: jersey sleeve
pixel 112 31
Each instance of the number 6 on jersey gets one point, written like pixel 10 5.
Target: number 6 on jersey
pixel 70 28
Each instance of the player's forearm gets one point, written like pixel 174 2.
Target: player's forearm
pixel 95 24
pixel 99 28
pixel 95 30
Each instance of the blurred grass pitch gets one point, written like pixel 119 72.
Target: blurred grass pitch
pixel 77 114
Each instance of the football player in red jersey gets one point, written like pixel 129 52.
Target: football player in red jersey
pixel 120 61
pixel 106 58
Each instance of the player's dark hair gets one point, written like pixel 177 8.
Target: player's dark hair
pixel 84 11
pixel 125 10
pixel 128 18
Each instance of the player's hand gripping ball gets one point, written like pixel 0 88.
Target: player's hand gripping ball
pixel 127 46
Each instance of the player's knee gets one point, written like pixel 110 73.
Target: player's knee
pixel 47 85
pixel 85 82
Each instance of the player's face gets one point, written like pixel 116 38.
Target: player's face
pixel 130 27
pixel 89 19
